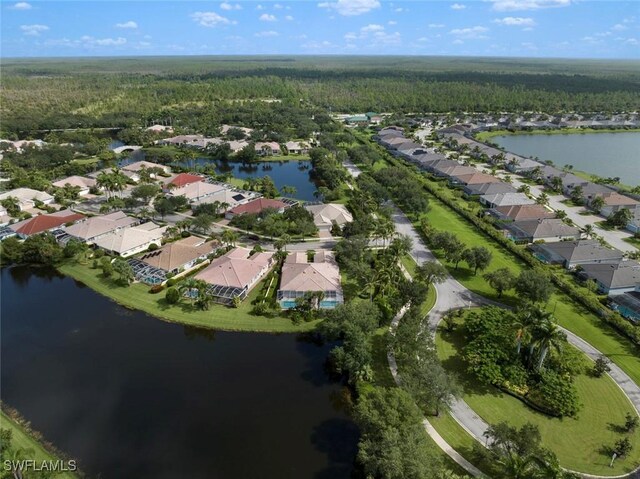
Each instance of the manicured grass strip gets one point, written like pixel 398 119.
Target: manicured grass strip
pixel 20 438
pixel 137 296
pixel 604 408
pixel 570 314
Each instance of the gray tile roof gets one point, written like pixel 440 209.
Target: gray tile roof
pixel 625 274
pixel 582 250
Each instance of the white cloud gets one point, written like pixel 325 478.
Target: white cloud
pixel 129 24
pixel 510 5
pixel 314 45
pixel 392 22
pixel 228 6
pixel 400 10
pixel 436 25
pixel 259 7
pixel 144 44
pixel 267 17
pixel 619 27
pixel 109 42
pixel 477 32
pixel 288 17
pixel 515 21
pixel 351 7
pixel 458 6
pixel 457 42
pixel 33 30
pixel 210 19
pixel 269 33
pixel 372 28
pixel 21 6
pixel 529 46
pixel 277 6
pixel 632 41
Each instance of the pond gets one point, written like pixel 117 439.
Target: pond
pixel 605 154
pixel 131 396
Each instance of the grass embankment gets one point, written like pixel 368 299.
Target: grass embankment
pixel 604 409
pixel 487 135
pixel 21 439
pixel 137 296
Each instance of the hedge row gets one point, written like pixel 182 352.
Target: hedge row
pixel 578 294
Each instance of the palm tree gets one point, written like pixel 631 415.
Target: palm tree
pixel 526 189
pixel 229 237
pixel 543 199
pixel 105 181
pixel 384 229
pixel 588 230
pixel 546 336
pixel 188 287
pixel 526 321
pixel 597 203
pixel 282 243
pixel 183 225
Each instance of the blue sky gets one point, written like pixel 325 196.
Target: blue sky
pixel 536 28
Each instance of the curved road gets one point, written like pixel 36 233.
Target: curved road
pixel 451 294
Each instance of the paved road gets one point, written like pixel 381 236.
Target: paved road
pixel 451 294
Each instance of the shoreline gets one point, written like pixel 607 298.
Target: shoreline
pixel 487 135
pixel 141 300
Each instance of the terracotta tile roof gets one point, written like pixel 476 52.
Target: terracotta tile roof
pixel 257 205
pixel 525 212
pixel 46 222
pixel 321 275
pixel 185 178
pixel 235 268
pixel 80 181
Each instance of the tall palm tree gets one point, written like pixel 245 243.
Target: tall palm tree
pixel 229 237
pixel 547 336
pixel 105 181
pixel 588 230
pixel 543 199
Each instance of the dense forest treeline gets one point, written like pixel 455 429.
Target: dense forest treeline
pixel 42 94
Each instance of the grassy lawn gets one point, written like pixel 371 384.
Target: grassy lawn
pixel 221 317
pixel 633 241
pixel 22 439
pixel 86 161
pixel 284 158
pixel 604 408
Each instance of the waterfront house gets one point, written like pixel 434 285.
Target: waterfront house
pixel 548 229
pixel 521 165
pixel 196 191
pixel 615 278
pixel 634 224
pixel 614 202
pixel 269 148
pixel 184 179
pixel 235 273
pixel 299 277
pixel 297 148
pixel 141 165
pixel 181 255
pixel 627 304
pixel 135 239
pixel 45 222
pixel 575 253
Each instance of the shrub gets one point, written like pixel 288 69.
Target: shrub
pixel 185 234
pixel 152 247
pixel 169 275
pixel 171 282
pixel 156 288
pixel 623 447
pixel 631 422
pixel 172 296
pixel 601 366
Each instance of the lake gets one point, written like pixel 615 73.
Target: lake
pixel 132 396
pixel 605 154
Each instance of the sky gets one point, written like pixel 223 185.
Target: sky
pixel 523 28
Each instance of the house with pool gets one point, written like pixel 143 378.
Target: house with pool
pixel 299 276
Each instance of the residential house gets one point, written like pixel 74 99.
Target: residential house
pixel 129 241
pixel 521 213
pixel 92 229
pixel 548 229
pixel 489 189
pixel 357 120
pixel 300 277
pixel 267 148
pixel 45 222
pixel 326 214
pixel 374 118
pixel 615 278
pixel 82 182
pixel 522 165
pixel 196 191
pixel 160 129
pixel 183 179
pixel 634 224
pixel 227 198
pixel 444 171
pixel 236 145
pixel 233 274
pixel 181 255
pixel 256 206
pixel 141 165
pixel 297 148
pixel 474 178
pixel 27 197
pixel 614 202
pixel 505 199
pixel 575 253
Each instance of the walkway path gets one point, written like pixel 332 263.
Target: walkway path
pixel 451 294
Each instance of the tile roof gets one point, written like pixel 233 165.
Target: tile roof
pixel 45 222
pixel 545 228
pixel 582 250
pixel 257 205
pixel 175 255
pixel 235 268
pixel 80 181
pixel 183 179
pixel 126 239
pixel 316 276
pixel 194 191
pixel 99 225
pixel 625 274
pixel 525 212
pixel 327 213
